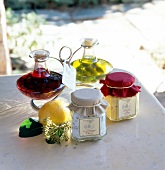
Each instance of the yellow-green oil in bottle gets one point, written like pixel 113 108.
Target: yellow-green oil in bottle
pixel 89 68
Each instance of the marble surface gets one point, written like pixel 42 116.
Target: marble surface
pixel 134 144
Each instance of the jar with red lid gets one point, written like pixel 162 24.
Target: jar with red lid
pixel 122 95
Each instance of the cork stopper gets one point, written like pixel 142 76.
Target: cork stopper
pixel 89 42
pixel 39 55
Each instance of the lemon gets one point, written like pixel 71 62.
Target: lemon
pixel 56 110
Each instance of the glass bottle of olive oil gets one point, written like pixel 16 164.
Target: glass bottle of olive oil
pixel 89 68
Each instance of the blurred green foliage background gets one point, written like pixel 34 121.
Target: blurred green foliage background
pixel 52 4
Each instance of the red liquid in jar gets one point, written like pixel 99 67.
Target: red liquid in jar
pixel 40 84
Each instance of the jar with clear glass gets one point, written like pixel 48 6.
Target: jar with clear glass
pixel 89 114
pixel 122 95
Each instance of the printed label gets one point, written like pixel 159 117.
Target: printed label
pixel 127 106
pixel 89 127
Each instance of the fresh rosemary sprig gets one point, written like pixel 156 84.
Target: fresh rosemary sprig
pixel 56 133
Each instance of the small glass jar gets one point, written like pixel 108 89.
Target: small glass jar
pixel 89 114
pixel 122 95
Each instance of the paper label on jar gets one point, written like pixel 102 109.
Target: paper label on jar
pixel 89 127
pixel 69 76
pixel 127 106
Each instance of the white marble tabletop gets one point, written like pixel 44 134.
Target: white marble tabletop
pixel 136 144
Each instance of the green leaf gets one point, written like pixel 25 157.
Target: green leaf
pixel 26 123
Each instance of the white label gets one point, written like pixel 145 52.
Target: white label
pixel 89 127
pixel 127 106
pixel 69 76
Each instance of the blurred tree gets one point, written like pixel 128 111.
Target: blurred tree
pixel 52 4
pixel 5 61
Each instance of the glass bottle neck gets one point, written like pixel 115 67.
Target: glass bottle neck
pixel 40 70
pixel 89 55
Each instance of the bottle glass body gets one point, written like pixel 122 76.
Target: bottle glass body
pixel 40 84
pixel 89 68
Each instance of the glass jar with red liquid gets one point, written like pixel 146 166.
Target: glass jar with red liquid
pixel 40 84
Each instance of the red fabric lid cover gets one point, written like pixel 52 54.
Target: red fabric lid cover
pixel 119 79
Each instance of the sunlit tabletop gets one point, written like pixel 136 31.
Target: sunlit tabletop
pixel 136 144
